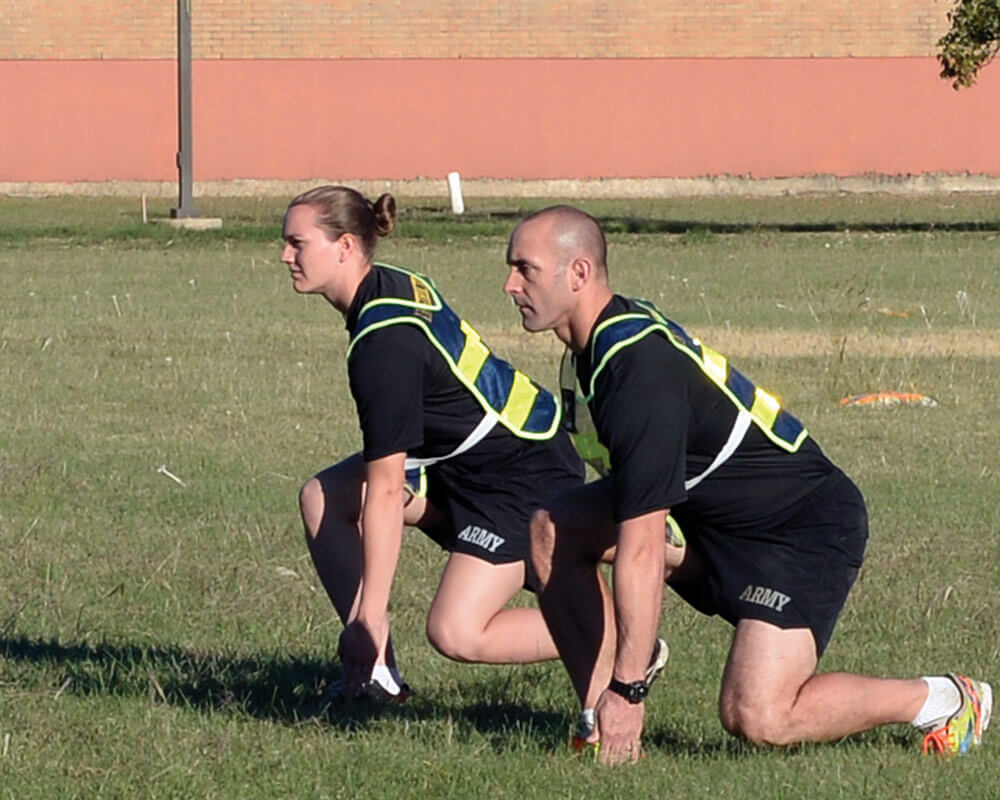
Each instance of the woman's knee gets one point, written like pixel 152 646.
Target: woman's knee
pixel 337 491
pixel 312 505
pixel 451 639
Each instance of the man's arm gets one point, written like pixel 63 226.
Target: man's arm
pixel 638 591
pixel 638 574
pixel 642 416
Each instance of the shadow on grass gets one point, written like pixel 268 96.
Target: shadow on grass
pixel 675 742
pixel 680 226
pixel 434 224
pixel 505 724
pixel 290 690
pixel 426 221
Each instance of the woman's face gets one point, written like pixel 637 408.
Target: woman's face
pixel 311 257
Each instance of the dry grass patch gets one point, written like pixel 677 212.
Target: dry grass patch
pixel 792 343
pixel 786 343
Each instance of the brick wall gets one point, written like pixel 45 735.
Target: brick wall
pixel 325 29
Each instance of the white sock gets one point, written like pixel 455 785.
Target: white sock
pixel 943 700
pixel 388 678
pixel 588 722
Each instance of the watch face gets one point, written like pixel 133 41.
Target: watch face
pixel 634 692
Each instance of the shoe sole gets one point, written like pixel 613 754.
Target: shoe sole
pixel 985 707
pixel 371 693
pixel 374 693
pixel 661 656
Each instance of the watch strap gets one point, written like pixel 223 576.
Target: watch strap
pixel 634 692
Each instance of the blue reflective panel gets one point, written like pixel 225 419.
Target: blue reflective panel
pixel 447 330
pixel 494 381
pixel 787 427
pixel 622 330
pixel 543 412
pixel 740 386
pixel 681 334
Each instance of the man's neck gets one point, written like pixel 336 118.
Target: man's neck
pixel 584 317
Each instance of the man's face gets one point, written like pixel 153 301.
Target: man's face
pixel 539 281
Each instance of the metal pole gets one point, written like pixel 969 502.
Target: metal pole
pixel 185 206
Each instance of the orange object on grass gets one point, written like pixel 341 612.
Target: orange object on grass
pixel 889 399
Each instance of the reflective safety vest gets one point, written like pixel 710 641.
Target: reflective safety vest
pixel 754 405
pixel 506 395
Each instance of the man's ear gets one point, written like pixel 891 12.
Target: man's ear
pixel 580 271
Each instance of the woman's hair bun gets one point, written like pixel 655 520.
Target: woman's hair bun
pixel 385 214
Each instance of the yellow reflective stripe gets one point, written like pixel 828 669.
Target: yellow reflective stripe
pixel 592 452
pixel 675 535
pixel 420 490
pixel 421 292
pixel 520 400
pixel 715 363
pixel 474 354
pixel 765 407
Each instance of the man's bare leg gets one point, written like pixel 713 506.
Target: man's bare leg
pixel 568 542
pixel 771 693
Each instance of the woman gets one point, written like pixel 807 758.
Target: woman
pixel 455 442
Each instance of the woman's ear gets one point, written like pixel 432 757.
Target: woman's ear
pixel 348 245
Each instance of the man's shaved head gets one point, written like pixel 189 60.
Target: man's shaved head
pixel 558 275
pixel 573 233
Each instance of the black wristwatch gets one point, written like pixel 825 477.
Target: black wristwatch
pixel 634 692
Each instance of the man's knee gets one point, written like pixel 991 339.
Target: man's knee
pixel 757 722
pixel 312 504
pixel 543 543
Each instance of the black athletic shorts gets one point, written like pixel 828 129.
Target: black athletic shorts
pixel 488 513
pixel 796 574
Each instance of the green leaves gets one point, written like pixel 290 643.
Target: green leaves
pixel 972 41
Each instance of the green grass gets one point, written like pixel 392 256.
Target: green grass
pixel 160 640
pixel 257 219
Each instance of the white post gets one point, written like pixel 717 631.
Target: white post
pixel 455 192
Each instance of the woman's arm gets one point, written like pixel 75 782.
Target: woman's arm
pixel 366 635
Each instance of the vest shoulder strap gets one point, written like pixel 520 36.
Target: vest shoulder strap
pixel 520 404
pixel 766 412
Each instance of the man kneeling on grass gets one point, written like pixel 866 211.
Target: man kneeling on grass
pixel 775 532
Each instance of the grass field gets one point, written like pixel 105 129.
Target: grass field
pixel 163 394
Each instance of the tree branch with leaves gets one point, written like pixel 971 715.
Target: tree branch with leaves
pixel 971 42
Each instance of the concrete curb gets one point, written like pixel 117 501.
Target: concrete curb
pixel 561 187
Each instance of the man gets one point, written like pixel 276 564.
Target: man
pixel 775 532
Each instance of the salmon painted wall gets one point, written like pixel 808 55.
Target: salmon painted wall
pixel 94 120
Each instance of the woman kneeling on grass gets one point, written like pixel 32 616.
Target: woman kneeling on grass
pixel 455 442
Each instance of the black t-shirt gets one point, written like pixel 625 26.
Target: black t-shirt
pixel 408 398
pixel 664 421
